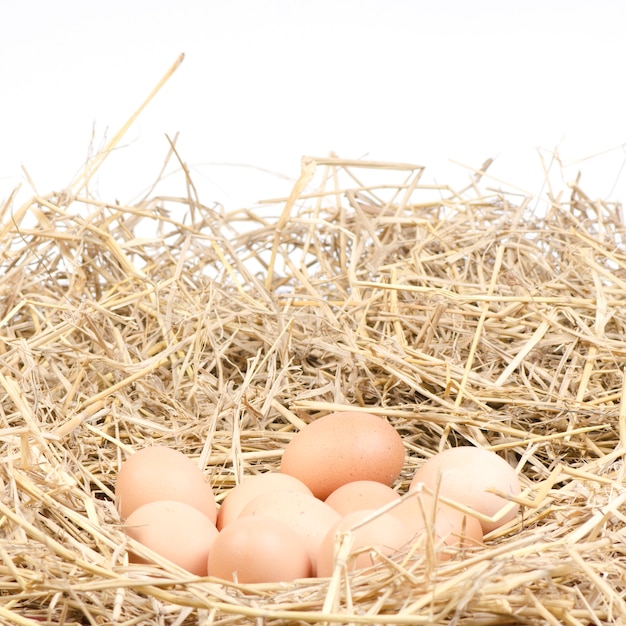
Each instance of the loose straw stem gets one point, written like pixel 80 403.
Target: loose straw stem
pixel 307 173
pixel 81 182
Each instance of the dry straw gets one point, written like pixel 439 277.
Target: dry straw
pixel 462 316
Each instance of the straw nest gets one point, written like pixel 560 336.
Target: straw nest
pixel 464 317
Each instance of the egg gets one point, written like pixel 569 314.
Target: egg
pixel 258 549
pixel 361 494
pixel 252 486
pixel 438 529
pixel 175 530
pixel 384 534
pixel 343 447
pixel 466 475
pixel 161 473
pixel 309 517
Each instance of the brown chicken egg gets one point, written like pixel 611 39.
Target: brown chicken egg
pixel 384 534
pixel 258 549
pixel 339 448
pixel 251 487
pixel 361 494
pixel 309 517
pixel 468 475
pixel 175 530
pixel 162 473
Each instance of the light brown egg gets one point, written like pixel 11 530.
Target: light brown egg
pixel 385 534
pixel 361 494
pixel 162 473
pixel 309 517
pixel 258 549
pixel 466 475
pixel 343 447
pixel 175 530
pixel 251 487
pixel 443 532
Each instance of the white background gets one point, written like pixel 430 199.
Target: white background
pixel 266 82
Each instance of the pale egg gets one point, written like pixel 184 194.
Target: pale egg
pixel 175 530
pixel 309 517
pixel 438 529
pixel 251 487
pixel 469 476
pixel 384 534
pixel 162 473
pixel 361 494
pixel 258 549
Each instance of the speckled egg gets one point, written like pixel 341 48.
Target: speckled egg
pixel 343 447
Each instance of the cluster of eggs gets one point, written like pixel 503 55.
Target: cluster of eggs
pixel 335 482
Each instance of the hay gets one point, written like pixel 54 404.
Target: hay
pixel 466 318
pixel 475 316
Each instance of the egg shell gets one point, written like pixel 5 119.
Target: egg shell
pixel 161 473
pixel 343 447
pixel 361 494
pixel 251 487
pixel 385 534
pixel 258 549
pixel 309 517
pixel 465 475
pixel 441 530
pixel 175 530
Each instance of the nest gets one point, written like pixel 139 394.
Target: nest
pixel 473 317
